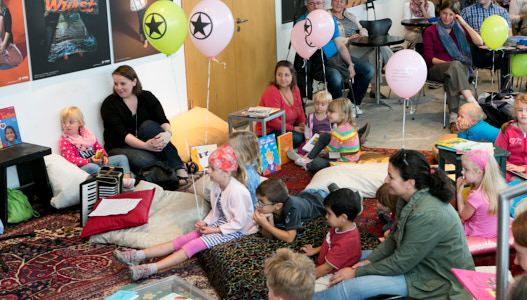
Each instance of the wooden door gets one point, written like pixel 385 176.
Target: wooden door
pixel 249 60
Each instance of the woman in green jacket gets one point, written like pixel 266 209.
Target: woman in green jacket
pixel 426 243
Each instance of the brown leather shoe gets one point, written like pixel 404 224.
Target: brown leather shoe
pixel 453 128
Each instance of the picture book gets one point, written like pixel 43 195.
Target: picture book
pixel 285 143
pixel 461 146
pixel 482 286
pixel 308 146
pixel 269 154
pixel 200 155
pixel 9 132
pixel 259 111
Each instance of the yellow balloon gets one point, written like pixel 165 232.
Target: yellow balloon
pixel 165 26
pixel 494 31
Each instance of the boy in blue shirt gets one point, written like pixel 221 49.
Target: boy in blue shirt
pixel 471 124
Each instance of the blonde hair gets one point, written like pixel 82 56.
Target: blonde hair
pixel 492 181
pixel 240 174
pixel 343 107
pixel 322 97
pixel 290 275
pixel 247 149
pixel 72 113
pixel 473 110
pixel 520 98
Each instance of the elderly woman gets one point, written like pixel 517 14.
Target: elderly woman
pixel 135 125
pixel 427 240
pixel 350 28
pixel 284 94
pixel 447 54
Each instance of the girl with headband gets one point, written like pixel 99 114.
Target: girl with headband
pixel 479 212
pixel 230 218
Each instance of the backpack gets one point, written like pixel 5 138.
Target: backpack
pixel 161 174
pixel 498 111
pixel 18 207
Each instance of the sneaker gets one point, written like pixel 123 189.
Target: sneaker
pixel 358 110
pixel 303 162
pixel 128 183
pixel 292 155
pixel 141 271
pixel 127 258
pixel 333 187
pixel 363 133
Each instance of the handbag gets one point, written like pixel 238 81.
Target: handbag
pixel 161 174
pixel 18 207
pixel 137 5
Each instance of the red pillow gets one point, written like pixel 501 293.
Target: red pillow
pixel 136 217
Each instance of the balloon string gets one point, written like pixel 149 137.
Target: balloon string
pixel 405 102
pixel 305 66
pixel 186 144
pixel 492 83
pixel 324 69
pixel 220 62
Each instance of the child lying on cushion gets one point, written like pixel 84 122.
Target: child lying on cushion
pixel 281 215
pixel 341 247
pixel 472 126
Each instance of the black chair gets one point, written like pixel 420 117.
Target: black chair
pixel 377 27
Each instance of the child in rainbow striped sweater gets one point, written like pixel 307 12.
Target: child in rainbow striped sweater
pixel 342 144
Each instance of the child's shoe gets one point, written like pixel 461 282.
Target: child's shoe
pixel 299 160
pixel 128 257
pixel 128 183
pixel 141 271
pixel 332 187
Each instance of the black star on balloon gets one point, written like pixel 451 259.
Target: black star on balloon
pixel 154 26
pixel 307 27
pixel 201 25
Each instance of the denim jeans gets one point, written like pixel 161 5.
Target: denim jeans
pixel 139 158
pixel 114 161
pixel 319 163
pixel 366 286
pixel 298 138
pixel 322 193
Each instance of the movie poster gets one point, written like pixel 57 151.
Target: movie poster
pixel 129 40
pixel 67 36
pixel 14 66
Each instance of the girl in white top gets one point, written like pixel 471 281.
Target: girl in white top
pixel 417 9
pixel 230 218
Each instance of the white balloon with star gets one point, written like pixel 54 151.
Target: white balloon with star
pixel 211 26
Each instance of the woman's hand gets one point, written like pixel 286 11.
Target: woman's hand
pixel 460 20
pixel 361 263
pixel 308 250
pixel 342 274
pixel 300 128
pixel 154 145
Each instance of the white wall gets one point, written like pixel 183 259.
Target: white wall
pixel 384 9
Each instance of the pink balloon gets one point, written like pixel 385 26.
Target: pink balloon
pixel 319 27
pixel 299 41
pixel 211 27
pixel 406 73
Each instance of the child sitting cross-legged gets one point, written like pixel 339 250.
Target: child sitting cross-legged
pixel 386 204
pixel 290 276
pixel 472 126
pixel 341 247
pixel 280 215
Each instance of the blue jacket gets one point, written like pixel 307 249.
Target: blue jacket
pixel 481 131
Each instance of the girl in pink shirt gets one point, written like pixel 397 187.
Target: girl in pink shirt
pixel 479 212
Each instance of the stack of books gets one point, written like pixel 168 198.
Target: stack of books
pixel 259 111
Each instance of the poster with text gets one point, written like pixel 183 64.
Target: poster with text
pixel 129 40
pixel 14 66
pixel 67 36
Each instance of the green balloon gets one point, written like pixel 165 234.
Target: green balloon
pixel 519 65
pixel 494 31
pixel 165 26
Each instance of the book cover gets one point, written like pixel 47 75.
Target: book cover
pixel 308 146
pixel 482 286
pixel 450 142
pixel 200 155
pixel 461 146
pixel 260 111
pixel 269 154
pixel 285 143
pixel 9 131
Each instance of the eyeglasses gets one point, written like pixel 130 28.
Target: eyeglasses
pixel 69 122
pixel 261 204
pixel 316 3
pixel 340 1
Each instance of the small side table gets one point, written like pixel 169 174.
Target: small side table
pixel 450 156
pixel 239 116
pixel 31 169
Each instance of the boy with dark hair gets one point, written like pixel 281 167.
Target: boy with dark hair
pixel 341 247
pixel 281 215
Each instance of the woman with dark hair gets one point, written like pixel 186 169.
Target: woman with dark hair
pixel 427 240
pixel 135 125
pixel 284 94
pixel 447 54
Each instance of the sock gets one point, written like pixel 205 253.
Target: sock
pixel 472 99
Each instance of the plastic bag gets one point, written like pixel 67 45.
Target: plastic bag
pixel 18 207
pixel 161 174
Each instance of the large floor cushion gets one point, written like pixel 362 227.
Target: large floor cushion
pixel 235 269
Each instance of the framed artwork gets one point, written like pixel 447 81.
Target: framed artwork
pixel 67 36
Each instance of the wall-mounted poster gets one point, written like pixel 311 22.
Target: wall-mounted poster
pixel 9 132
pixel 67 36
pixel 129 40
pixel 14 66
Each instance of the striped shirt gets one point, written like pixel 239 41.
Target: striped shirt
pixel 345 139
pixel 475 14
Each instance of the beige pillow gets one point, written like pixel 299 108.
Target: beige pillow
pixel 195 124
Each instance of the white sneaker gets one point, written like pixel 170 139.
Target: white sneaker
pixel 128 183
pixel 302 162
pixel 292 155
pixel 358 110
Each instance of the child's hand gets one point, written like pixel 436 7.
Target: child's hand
pixel 96 161
pixel 208 230
pixel 515 168
pixel 462 124
pixel 460 183
pixel 199 224
pixel 308 250
pixel 259 217
pixel 104 160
